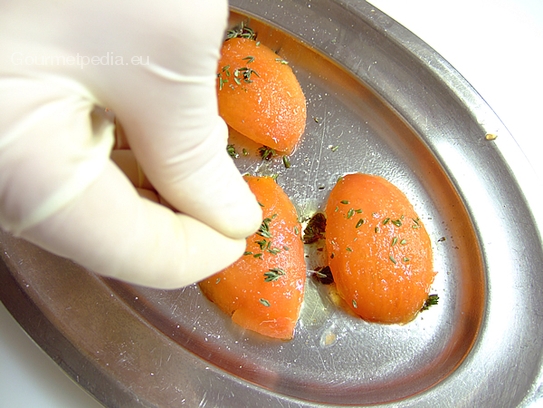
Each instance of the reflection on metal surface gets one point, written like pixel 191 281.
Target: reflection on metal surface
pixel 379 101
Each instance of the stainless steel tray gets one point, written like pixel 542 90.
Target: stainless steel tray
pixel 393 107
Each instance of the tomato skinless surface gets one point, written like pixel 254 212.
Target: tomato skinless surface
pixel 379 252
pixel 259 95
pixel 263 290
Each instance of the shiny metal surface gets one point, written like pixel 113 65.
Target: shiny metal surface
pixel 395 108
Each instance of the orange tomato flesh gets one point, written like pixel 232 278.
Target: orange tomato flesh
pixel 268 304
pixel 380 254
pixel 268 106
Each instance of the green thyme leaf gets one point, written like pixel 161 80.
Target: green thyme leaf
pixel 266 152
pixel 264 230
pixel 241 31
pixel 431 301
pixel 286 161
pixel 232 151
pixel 273 274
pixel 262 244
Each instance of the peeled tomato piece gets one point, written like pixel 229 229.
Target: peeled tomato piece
pixel 259 95
pixel 263 290
pixel 379 252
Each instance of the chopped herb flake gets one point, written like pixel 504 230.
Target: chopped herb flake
pixel 262 243
pixel 241 31
pixel 324 275
pixel 264 230
pixel 315 228
pixel 273 274
pixel 232 151
pixel 431 301
pixel 245 73
pixel 222 81
pixel 266 152
pixel 286 162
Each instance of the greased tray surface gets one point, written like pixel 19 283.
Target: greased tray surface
pixel 379 101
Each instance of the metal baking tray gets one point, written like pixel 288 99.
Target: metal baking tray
pixel 379 101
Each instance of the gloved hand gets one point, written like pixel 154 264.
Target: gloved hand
pixel 154 65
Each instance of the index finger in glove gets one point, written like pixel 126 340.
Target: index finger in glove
pixel 168 108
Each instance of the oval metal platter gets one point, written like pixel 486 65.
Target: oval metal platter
pixel 379 101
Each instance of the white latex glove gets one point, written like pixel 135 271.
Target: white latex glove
pixel 155 67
